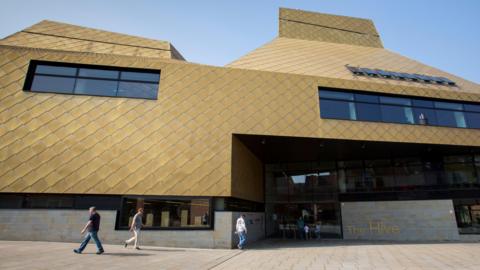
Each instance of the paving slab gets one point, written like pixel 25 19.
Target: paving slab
pixel 268 254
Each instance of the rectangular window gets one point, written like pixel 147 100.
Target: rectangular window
pixel 449 118
pixel 350 105
pixel 337 109
pixel 467 213
pixel 473 119
pixel 424 116
pixel 368 112
pixel 397 114
pixel 81 79
pixel 160 213
pixel 335 95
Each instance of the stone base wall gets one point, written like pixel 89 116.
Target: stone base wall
pixel 65 225
pixel 428 220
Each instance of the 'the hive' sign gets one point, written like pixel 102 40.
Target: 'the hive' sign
pixel 399 75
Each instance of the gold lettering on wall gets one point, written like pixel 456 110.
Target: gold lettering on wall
pixel 374 227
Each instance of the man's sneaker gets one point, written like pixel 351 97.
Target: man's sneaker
pixel 77 251
pixel 126 244
pixel 137 248
pixel 100 252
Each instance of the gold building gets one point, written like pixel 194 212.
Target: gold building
pixel 321 126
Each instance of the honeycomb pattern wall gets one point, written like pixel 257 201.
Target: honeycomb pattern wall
pixel 62 36
pixel 182 143
pixel 328 28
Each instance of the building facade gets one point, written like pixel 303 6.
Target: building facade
pixel 322 123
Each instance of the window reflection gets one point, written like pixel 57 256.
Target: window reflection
pixel 338 109
pixel 375 108
pixel 53 84
pixel 81 80
pixel 167 213
pixel 467 213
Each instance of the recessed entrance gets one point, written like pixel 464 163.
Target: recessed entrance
pixel 308 181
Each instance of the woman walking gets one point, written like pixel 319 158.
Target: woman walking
pixel 135 228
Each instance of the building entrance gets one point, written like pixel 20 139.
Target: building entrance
pixel 299 195
pixel 322 219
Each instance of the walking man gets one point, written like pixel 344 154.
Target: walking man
pixel 241 230
pixel 92 226
pixel 135 228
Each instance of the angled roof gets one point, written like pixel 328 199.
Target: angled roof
pixel 319 53
pixel 308 25
pixel 62 36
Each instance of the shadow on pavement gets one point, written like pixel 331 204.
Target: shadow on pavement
pixel 164 250
pixel 270 244
pixel 125 254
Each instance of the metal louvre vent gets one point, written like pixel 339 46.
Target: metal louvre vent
pixel 400 76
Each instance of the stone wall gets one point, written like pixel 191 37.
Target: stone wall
pixel 429 220
pixel 65 226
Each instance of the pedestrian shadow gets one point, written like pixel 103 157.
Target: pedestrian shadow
pixel 164 250
pixel 123 254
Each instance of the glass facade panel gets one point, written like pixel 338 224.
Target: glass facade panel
pixel 473 119
pixel 395 101
pixel 81 80
pixel 335 95
pixel 471 107
pixel 374 108
pixel 56 70
pixel 98 73
pixel 379 174
pixel 337 109
pixel 397 114
pixel 96 87
pixel 366 98
pixel 140 76
pixel 424 116
pixel 450 118
pixel 422 103
pixel 167 213
pixel 467 213
pixel 138 90
pixel 408 173
pixel 368 112
pixel 459 171
pixel 52 84
pixel 448 105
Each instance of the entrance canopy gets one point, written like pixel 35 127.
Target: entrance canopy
pixel 277 149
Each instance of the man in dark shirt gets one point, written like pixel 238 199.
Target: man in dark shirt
pixel 93 225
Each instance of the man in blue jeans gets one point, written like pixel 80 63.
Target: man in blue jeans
pixel 93 225
pixel 241 230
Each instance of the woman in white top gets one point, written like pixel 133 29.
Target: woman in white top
pixel 241 230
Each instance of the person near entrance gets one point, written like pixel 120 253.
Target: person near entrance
pixel 93 226
pixel 307 232
pixel 317 230
pixel 135 228
pixel 300 227
pixel 241 230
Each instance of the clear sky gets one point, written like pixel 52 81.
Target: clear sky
pixel 440 33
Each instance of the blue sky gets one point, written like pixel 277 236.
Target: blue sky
pixel 440 33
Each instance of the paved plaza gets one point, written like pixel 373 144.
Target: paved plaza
pixel 270 254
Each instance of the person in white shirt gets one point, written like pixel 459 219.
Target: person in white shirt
pixel 135 228
pixel 241 230
pixel 306 230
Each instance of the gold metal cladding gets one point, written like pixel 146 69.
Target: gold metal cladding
pixel 181 144
pixel 67 37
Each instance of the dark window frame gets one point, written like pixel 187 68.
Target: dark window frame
pixel 120 227
pixel 34 63
pixel 411 106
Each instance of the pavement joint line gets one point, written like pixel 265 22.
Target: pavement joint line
pixel 226 260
